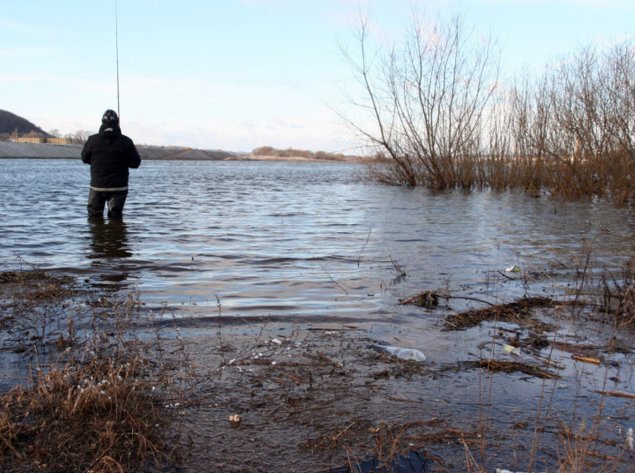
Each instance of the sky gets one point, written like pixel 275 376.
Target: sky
pixel 238 74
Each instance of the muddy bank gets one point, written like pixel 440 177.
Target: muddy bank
pixel 319 398
pixel 280 396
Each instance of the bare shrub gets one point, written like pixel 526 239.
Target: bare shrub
pixel 431 106
pixel 576 125
pixel 426 100
pixel 618 296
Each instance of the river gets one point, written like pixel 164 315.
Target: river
pixel 302 239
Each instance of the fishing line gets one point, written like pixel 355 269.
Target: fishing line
pixel 117 56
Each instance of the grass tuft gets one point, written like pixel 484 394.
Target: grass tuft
pixel 97 417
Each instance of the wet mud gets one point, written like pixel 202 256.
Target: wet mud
pixel 319 399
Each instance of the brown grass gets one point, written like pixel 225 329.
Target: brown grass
pixel 39 284
pixel 498 366
pixel 618 296
pixel 518 312
pixel 97 417
pixel 93 403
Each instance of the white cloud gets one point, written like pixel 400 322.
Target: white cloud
pixel 217 133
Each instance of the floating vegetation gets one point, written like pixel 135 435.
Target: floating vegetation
pixel 499 366
pixel 518 312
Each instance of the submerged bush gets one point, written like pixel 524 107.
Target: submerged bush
pixel 433 105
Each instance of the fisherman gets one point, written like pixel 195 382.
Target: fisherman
pixel 109 154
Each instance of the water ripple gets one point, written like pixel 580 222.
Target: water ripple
pixel 289 239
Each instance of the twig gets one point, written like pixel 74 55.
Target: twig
pixel 333 280
pixel 469 299
pixel 505 275
pixel 401 399
pixel 219 330
pixel 616 394
pixel 359 258
pixel 335 437
pixel 586 359
pixel 411 299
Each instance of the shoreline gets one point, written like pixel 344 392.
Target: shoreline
pixel 12 150
pixel 320 396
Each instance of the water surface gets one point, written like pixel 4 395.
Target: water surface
pixel 301 239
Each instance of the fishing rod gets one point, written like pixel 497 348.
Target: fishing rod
pixel 117 56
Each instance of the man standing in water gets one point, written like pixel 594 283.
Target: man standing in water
pixel 110 155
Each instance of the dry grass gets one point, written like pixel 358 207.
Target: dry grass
pixel 618 296
pixel 97 417
pixel 498 366
pixel 579 452
pixel 518 312
pixel 92 400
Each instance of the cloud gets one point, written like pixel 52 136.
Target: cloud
pixel 33 78
pixel 263 3
pixel 308 131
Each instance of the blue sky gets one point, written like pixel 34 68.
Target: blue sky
pixel 237 74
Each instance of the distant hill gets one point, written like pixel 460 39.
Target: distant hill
pixel 10 122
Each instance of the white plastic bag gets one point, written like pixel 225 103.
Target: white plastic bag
pixel 403 353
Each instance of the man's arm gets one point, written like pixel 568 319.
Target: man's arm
pixel 134 159
pixel 87 151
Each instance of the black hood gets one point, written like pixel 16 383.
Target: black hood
pixel 109 131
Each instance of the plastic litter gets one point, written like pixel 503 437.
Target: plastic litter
pixel 629 439
pixel 513 269
pixel 511 350
pixel 234 418
pixel 414 462
pixel 402 353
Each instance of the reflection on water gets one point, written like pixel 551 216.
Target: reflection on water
pixel 296 239
pixel 109 244
pixel 109 239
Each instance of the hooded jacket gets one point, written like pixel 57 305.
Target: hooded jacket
pixel 110 155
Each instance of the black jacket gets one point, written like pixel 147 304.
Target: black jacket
pixel 110 154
